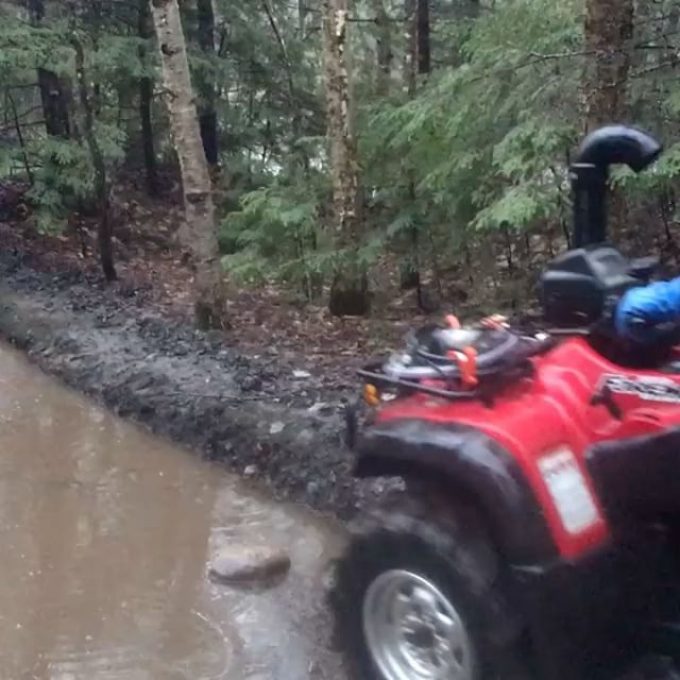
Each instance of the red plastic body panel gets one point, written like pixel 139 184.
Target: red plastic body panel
pixel 552 411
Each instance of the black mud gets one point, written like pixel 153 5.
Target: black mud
pixel 259 414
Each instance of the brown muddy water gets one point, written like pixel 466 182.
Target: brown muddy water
pixel 105 536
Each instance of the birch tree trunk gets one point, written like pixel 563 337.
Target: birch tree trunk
pixel 210 302
pixel 349 292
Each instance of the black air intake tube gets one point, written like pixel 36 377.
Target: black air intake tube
pixel 611 145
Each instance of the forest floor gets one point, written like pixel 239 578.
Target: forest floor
pixel 151 267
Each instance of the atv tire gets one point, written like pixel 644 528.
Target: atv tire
pixel 447 546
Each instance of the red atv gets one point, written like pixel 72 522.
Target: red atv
pixel 538 535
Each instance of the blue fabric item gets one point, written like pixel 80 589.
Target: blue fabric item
pixel 642 310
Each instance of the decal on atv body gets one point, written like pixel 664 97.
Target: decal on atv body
pixel 647 388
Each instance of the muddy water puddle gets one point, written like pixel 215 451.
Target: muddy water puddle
pixel 105 534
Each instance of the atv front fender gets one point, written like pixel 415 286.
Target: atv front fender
pixel 471 464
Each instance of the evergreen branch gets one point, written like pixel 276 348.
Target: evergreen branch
pixel 23 114
pixel 538 56
pixel 534 59
pixel 673 63
pixel 21 86
pixel 33 123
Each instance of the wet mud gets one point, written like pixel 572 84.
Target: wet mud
pixel 258 415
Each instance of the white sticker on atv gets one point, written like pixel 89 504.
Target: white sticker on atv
pixel 569 491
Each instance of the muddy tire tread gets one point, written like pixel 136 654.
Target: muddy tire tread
pixel 445 542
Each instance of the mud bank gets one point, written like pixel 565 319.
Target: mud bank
pixel 258 414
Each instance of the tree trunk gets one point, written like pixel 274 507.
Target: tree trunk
pixel 417 13
pixel 100 180
pixel 146 101
pixel 198 201
pixel 298 157
pixel 423 35
pixel 608 34
pixel 349 292
pixel 20 136
pixel 302 17
pixel 383 48
pixel 410 53
pixel 608 37
pixel 206 84
pixel 53 95
pixel 54 100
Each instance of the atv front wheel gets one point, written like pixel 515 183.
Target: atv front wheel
pixel 418 596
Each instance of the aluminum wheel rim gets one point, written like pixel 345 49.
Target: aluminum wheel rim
pixel 413 631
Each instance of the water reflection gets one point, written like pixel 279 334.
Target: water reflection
pixel 105 533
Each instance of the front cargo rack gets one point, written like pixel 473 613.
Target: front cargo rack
pixel 443 379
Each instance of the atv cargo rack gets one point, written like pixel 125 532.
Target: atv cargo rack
pixel 375 374
pixel 508 369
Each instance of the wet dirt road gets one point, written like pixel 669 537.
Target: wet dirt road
pixel 105 533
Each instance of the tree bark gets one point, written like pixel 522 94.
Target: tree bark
pixel 410 54
pixel 54 100
pixel 608 37
pixel 53 95
pixel 608 34
pixel 302 17
pixel 423 35
pixel 104 236
pixel 20 136
pixel 206 85
pixel 418 60
pixel 210 301
pixel 145 103
pixel 349 292
pixel 383 48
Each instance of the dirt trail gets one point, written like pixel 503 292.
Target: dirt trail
pixel 262 415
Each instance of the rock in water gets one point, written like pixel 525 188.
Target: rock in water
pixel 277 428
pixel 248 563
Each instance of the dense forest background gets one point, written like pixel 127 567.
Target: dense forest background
pixel 357 152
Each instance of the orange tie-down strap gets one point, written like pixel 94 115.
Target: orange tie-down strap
pixel 495 322
pixel 467 365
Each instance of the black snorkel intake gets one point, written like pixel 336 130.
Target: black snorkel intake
pixel 580 288
pixel 610 145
